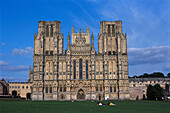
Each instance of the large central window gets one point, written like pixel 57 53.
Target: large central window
pixel 80 69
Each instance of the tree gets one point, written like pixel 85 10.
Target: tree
pixel 150 95
pixel 168 75
pixel 158 92
pixel 155 74
pixel 154 92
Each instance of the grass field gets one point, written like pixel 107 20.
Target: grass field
pixel 83 107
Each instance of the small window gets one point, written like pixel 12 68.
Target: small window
pixel 86 69
pixel 27 87
pixel 109 30
pixel 51 53
pixel 110 73
pixel 50 73
pixel 47 31
pixel 9 86
pixel 15 86
pixel 97 73
pixel 113 30
pixel 46 90
pixel 51 31
pixel 100 88
pixel 64 73
pixel 114 88
pixel 74 66
pixel 18 87
pixel 50 89
pixel 110 88
pixel 134 85
pixel 96 88
pixel 60 73
pixel 46 73
pixel 114 53
pixel 64 89
pixel 22 87
pixel 12 86
pixel 100 73
pixel 60 89
pixel 46 53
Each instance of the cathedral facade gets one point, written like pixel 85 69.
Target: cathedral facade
pixel 80 73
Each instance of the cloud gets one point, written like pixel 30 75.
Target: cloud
pixel 26 51
pixel 15 68
pixel 167 68
pixel 145 25
pixel 3 63
pixel 3 44
pixel 13 79
pixel 151 55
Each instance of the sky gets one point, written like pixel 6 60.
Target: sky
pixel 146 23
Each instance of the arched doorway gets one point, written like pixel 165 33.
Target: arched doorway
pixel 28 96
pixel 62 97
pixel 14 93
pixel 80 95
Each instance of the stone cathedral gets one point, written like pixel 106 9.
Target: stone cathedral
pixel 80 73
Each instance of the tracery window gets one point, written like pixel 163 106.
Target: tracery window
pixel 50 89
pixel 100 87
pixel 110 88
pixel 74 69
pixel 51 31
pixel 80 69
pixel 114 88
pixel 46 89
pixel 96 88
pixel 47 31
pixel 86 69
pixel 109 30
pixel 64 88
pixel 60 88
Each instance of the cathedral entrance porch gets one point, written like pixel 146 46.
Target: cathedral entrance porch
pixel 80 95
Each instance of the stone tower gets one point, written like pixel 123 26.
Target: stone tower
pixel 48 45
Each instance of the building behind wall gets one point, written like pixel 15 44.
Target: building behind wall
pixel 138 86
pixel 80 73
pixel 3 87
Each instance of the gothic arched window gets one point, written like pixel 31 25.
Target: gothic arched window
pixel 47 31
pixel 110 88
pixel 86 69
pixel 80 69
pixel 50 89
pixel 46 89
pixel 114 88
pixel 74 69
pixel 51 31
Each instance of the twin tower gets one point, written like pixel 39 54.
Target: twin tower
pixel 81 73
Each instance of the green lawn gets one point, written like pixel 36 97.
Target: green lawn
pixel 83 107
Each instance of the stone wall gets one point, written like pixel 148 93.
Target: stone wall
pixel 22 88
